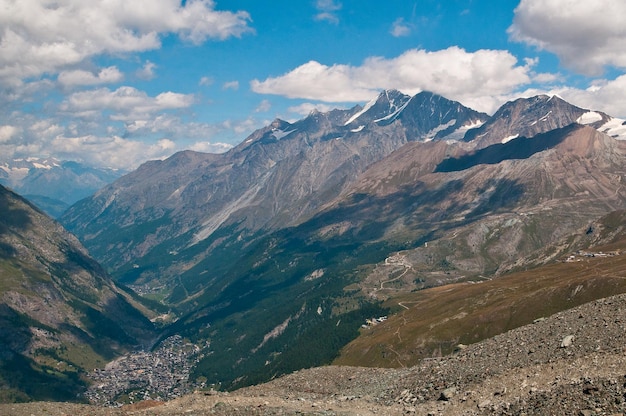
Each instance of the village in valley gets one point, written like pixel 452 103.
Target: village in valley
pixel 162 374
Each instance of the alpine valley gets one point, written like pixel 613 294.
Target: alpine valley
pixel 269 258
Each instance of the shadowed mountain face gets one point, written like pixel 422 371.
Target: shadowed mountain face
pixel 60 314
pixel 519 148
pixel 276 251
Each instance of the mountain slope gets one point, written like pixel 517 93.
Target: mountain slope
pixel 277 177
pixel 433 322
pixel 496 209
pixel 59 312
pixel 273 254
pixel 294 285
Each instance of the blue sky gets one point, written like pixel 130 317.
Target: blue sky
pixel 115 83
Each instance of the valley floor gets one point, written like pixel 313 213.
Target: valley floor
pixel 571 363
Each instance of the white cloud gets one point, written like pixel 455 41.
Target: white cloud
pixel 602 95
pixel 114 152
pixel 586 35
pixel 231 85
pixel 171 126
pixel 244 127
pixel 7 132
pixel 327 11
pixel 452 72
pixel 116 145
pixel 208 147
pixel 400 28
pixel 263 107
pixel 73 78
pixel 305 109
pixel 206 81
pixel 127 103
pixel 40 36
pixel 147 71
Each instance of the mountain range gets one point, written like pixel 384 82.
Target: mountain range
pixel 54 185
pixel 271 256
pixel 287 238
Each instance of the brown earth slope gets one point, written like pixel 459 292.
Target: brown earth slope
pixel 573 362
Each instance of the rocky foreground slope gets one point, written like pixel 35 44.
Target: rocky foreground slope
pixel 573 362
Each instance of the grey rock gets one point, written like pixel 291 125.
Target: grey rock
pixel 567 341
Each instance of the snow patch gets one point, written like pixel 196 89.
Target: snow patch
pixel 459 133
pixel 431 134
pixel 369 105
pixel 615 128
pixel 40 166
pixel 358 129
pixel 589 117
pixel 279 134
pixel 395 113
pixel 509 138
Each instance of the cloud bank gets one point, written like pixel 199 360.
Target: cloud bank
pixel 586 35
pixel 38 37
pixel 452 72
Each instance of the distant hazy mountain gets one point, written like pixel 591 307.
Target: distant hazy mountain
pixel 54 185
pixel 60 314
pixel 277 250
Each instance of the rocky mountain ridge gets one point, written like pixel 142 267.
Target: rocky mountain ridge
pixel 286 237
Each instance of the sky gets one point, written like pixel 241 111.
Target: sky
pixel 114 83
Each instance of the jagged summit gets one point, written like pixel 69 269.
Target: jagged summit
pixel 425 116
pixel 525 117
pixel 382 108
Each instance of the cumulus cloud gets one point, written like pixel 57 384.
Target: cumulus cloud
pixel 305 109
pixel 147 71
pixel 327 11
pixel 170 126
pixel 7 132
pixel 74 78
pixel 400 28
pixel 208 147
pixel 38 36
pixel 263 107
pixel 602 95
pixel 114 152
pixel 206 81
pixel 117 145
pixel 126 103
pixel 231 85
pixel 246 126
pixel 587 36
pixel 453 73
